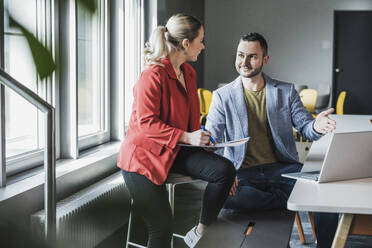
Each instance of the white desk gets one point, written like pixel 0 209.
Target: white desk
pixel 350 197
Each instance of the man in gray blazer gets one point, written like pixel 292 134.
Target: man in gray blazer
pixel 264 109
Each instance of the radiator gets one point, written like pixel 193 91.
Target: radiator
pixel 88 217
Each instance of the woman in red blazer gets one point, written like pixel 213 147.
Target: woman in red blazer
pixel 165 113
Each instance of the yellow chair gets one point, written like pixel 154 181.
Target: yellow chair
pixel 340 103
pixel 205 100
pixel 308 98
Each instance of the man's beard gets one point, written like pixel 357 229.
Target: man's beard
pixel 254 73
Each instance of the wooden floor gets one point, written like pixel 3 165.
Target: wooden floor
pixel 188 200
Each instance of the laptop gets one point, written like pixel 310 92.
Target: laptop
pixel 348 156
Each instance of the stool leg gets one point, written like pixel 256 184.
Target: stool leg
pixel 171 188
pixel 129 243
pixel 129 224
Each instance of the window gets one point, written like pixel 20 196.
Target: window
pixel 23 122
pixel 134 43
pixel 140 20
pixel 92 78
pixel 82 91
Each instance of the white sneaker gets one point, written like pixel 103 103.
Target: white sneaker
pixel 192 237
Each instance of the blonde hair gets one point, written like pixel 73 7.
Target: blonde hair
pixel 166 38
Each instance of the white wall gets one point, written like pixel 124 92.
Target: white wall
pixel 299 34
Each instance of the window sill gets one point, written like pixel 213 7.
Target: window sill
pixel 71 175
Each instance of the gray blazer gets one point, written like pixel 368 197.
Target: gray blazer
pixel 227 119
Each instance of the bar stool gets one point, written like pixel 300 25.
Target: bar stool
pixel 172 181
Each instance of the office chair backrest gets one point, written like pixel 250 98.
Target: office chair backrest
pixel 201 101
pixel 207 96
pixel 205 100
pixel 340 103
pixel 308 98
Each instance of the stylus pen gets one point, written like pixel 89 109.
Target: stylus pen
pixel 210 137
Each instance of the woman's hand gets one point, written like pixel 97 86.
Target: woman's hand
pixel 198 137
pixel 210 149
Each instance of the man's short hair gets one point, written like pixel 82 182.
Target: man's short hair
pixel 256 37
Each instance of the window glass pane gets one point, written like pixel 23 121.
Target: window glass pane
pixel 134 32
pixel 91 64
pixel 21 118
pixel 21 126
pixel 24 11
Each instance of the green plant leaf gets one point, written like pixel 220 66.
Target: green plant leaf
pixel 43 58
pixel 90 5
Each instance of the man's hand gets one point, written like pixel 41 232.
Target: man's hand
pixel 323 124
pixel 234 187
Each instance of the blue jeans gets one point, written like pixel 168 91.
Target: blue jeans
pixel 325 228
pixel 262 187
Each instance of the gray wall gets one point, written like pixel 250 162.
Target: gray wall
pixel 299 34
pixel 167 8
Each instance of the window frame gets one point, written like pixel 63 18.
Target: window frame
pixel 134 27
pixel 45 32
pixel 61 89
pixel 101 137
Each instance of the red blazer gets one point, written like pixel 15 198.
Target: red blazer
pixel 161 112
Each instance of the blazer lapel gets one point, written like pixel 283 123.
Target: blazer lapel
pixel 271 101
pixel 237 98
